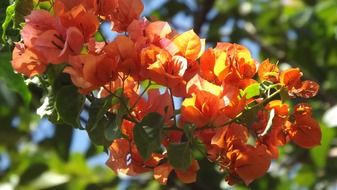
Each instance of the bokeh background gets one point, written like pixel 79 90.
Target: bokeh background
pixel 34 154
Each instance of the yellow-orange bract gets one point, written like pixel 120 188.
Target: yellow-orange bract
pixel 148 69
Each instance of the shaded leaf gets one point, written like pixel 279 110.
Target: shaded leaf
pixel 180 155
pixel 147 134
pixel 69 103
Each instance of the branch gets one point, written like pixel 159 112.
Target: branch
pixel 201 14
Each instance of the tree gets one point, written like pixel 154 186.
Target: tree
pixel 222 104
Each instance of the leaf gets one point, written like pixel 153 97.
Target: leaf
pixel 33 172
pixel 9 17
pixel 69 103
pixel 99 108
pixel 22 8
pixel 252 90
pixel 15 13
pixel 14 81
pixel 180 155
pixel 147 134
pixel 319 154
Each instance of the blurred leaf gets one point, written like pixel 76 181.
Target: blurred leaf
pixel 305 177
pixel 9 17
pixel 32 172
pixel 13 81
pixel 69 103
pixel 319 154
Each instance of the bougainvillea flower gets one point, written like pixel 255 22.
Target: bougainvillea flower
pixel 75 70
pixel 291 79
pixel 120 12
pixel 161 173
pixel 122 50
pixel 37 22
pixel 197 83
pixel 202 109
pixel 230 137
pixel 268 71
pixel 119 159
pixel 86 22
pixel 27 61
pixel 251 163
pixel 62 6
pixel 189 45
pixel 305 132
pixel 99 70
pixel 230 63
pixel 307 89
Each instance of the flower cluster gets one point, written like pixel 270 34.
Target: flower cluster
pixel 232 109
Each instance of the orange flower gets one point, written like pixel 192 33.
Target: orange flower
pixel 201 109
pixel 27 61
pixel 251 163
pixel 291 79
pixel 268 71
pixel 229 63
pixel 230 137
pixel 162 172
pixel 305 132
pixel 60 7
pixel 122 50
pixel 120 12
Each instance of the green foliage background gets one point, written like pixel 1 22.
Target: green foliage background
pixel 300 33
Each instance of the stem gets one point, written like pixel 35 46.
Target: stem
pixel 123 104
pixel 173 107
pixel 141 95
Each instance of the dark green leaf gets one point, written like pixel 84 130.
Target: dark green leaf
pixel 180 155
pixel 99 108
pixel 69 103
pixel 147 134
pixel 22 8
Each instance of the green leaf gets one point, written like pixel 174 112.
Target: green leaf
pixel 14 81
pixel 249 116
pixel 198 149
pixel 15 13
pixel 147 134
pixel 252 90
pixel 180 155
pixel 69 103
pixel 319 153
pixel 9 17
pixel 99 108
pixel 305 177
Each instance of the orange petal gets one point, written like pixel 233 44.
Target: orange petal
pixel 189 45
pixel 290 77
pixel 161 173
pixel 252 163
pixel 306 132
